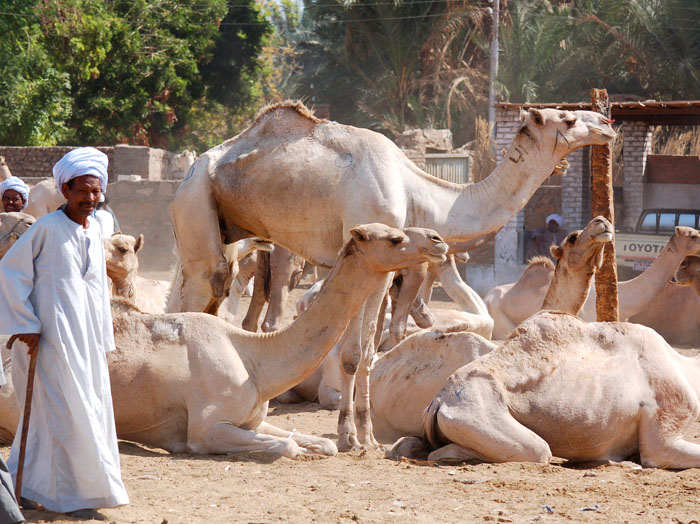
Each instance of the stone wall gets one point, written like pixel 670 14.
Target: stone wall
pixel 415 143
pixel 38 162
pixel 144 207
pixel 147 162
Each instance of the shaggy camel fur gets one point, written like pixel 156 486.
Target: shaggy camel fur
pixel 321 178
pixel 276 275
pixel 12 226
pixel 510 304
pixel 208 383
pixel 408 377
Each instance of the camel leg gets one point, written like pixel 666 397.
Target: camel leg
pixel 662 447
pixel 420 312
pixel 412 279
pixel 474 415
pixel 257 301
pixel 350 353
pixel 308 443
pixel 362 395
pixel 223 437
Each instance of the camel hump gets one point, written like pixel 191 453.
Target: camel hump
pixel 292 105
pixel 539 261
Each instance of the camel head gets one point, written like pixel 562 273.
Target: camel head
pixel 12 226
pixel 122 262
pixel 582 251
pixel 686 240
pixel 557 132
pixel 688 273
pixel 387 248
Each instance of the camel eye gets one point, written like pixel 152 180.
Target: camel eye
pixel 572 239
pixel 395 241
pixel 122 250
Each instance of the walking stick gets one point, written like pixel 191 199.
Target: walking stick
pixel 25 420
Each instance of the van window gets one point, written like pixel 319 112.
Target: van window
pixel 667 221
pixel 649 223
pixel 687 219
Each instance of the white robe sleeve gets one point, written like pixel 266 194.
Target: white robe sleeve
pixel 16 285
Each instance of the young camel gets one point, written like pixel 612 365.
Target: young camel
pixel 583 391
pixel 409 376
pixel 12 226
pixel 208 383
pixel 510 304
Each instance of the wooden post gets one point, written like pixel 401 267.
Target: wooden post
pixel 607 306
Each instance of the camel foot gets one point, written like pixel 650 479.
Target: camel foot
pixel 348 442
pixel 409 447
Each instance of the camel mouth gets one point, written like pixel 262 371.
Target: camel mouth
pixel 607 132
pixel 435 258
pixel 604 236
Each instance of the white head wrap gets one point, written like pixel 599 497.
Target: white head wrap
pixel 79 162
pixel 18 185
pixel 556 217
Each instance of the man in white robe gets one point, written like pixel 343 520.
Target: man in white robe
pixel 54 294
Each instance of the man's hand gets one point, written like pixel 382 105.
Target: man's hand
pixel 31 339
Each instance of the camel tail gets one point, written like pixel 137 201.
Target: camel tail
pixel 431 432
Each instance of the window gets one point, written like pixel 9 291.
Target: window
pixel 649 223
pixel 667 222
pixel 687 219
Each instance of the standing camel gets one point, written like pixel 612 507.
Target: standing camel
pixel 321 178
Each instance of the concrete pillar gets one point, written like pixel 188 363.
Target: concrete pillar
pixel 636 147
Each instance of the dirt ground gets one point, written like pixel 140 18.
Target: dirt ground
pixel 365 487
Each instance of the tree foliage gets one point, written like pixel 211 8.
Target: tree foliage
pixel 84 72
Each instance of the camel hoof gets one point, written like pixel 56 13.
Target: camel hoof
pixel 348 442
pixel 409 447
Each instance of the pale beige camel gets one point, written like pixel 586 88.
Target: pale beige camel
pixel 278 273
pixel 321 178
pixel 512 303
pixel 688 273
pixel 208 383
pixel 560 386
pixel 407 378
pixel 44 198
pixel 675 312
pixel 12 226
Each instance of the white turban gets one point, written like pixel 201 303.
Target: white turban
pixel 556 217
pixel 18 185
pixel 79 162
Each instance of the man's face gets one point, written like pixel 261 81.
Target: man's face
pixel 553 226
pixel 12 201
pixel 84 194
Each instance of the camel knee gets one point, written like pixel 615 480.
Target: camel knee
pixel 350 359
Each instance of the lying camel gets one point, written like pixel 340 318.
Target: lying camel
pixel 510 304
pixel 583 391
pixel 278 273
pixel 12 226
pixel 208 383
pixel 409 376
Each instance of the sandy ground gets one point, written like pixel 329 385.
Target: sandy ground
pixel 365 487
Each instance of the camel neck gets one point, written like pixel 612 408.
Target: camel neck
pixel 123 287
pixel 299 349
pixel 468 299
pixel 637 294
pixel 461 212
pixel 567 290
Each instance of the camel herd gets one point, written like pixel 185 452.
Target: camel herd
pixel 553 382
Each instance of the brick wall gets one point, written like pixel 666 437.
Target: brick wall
pixel 634 156
pixel 38 162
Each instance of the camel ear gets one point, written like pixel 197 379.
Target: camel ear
pixel 139 243
pixel 359 233
pixel 556 251
pixel 537 116
pixel 523 115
